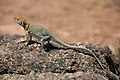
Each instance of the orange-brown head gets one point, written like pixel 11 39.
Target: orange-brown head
pixel 21 21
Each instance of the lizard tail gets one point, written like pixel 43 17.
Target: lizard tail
pixel 64 44
pixel 77 47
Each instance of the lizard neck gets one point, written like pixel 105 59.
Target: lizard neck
pixel 27 27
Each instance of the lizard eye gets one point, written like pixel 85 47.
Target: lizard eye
pixel 16 19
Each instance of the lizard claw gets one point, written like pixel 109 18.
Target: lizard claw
pixel 26 43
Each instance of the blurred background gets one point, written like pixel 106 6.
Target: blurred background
pixel 95 21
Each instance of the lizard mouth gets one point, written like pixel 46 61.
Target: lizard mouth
pixel 16 20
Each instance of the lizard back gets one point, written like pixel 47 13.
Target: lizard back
pixel 39 31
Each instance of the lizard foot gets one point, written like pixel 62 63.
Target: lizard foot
pixel 22 41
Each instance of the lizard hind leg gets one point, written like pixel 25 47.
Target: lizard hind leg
pixel 43 40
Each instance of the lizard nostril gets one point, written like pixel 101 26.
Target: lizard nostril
pixel 14 17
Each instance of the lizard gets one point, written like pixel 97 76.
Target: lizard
pixel 42 34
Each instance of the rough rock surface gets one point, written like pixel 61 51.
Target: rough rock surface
pixel 20 62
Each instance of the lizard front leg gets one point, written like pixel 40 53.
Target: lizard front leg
pixel 45 38
pixel 26 39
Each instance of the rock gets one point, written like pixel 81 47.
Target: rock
pixel 21 59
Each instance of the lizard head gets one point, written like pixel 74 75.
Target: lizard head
pixel 21 21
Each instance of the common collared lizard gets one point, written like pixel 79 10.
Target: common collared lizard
pixel 44 35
